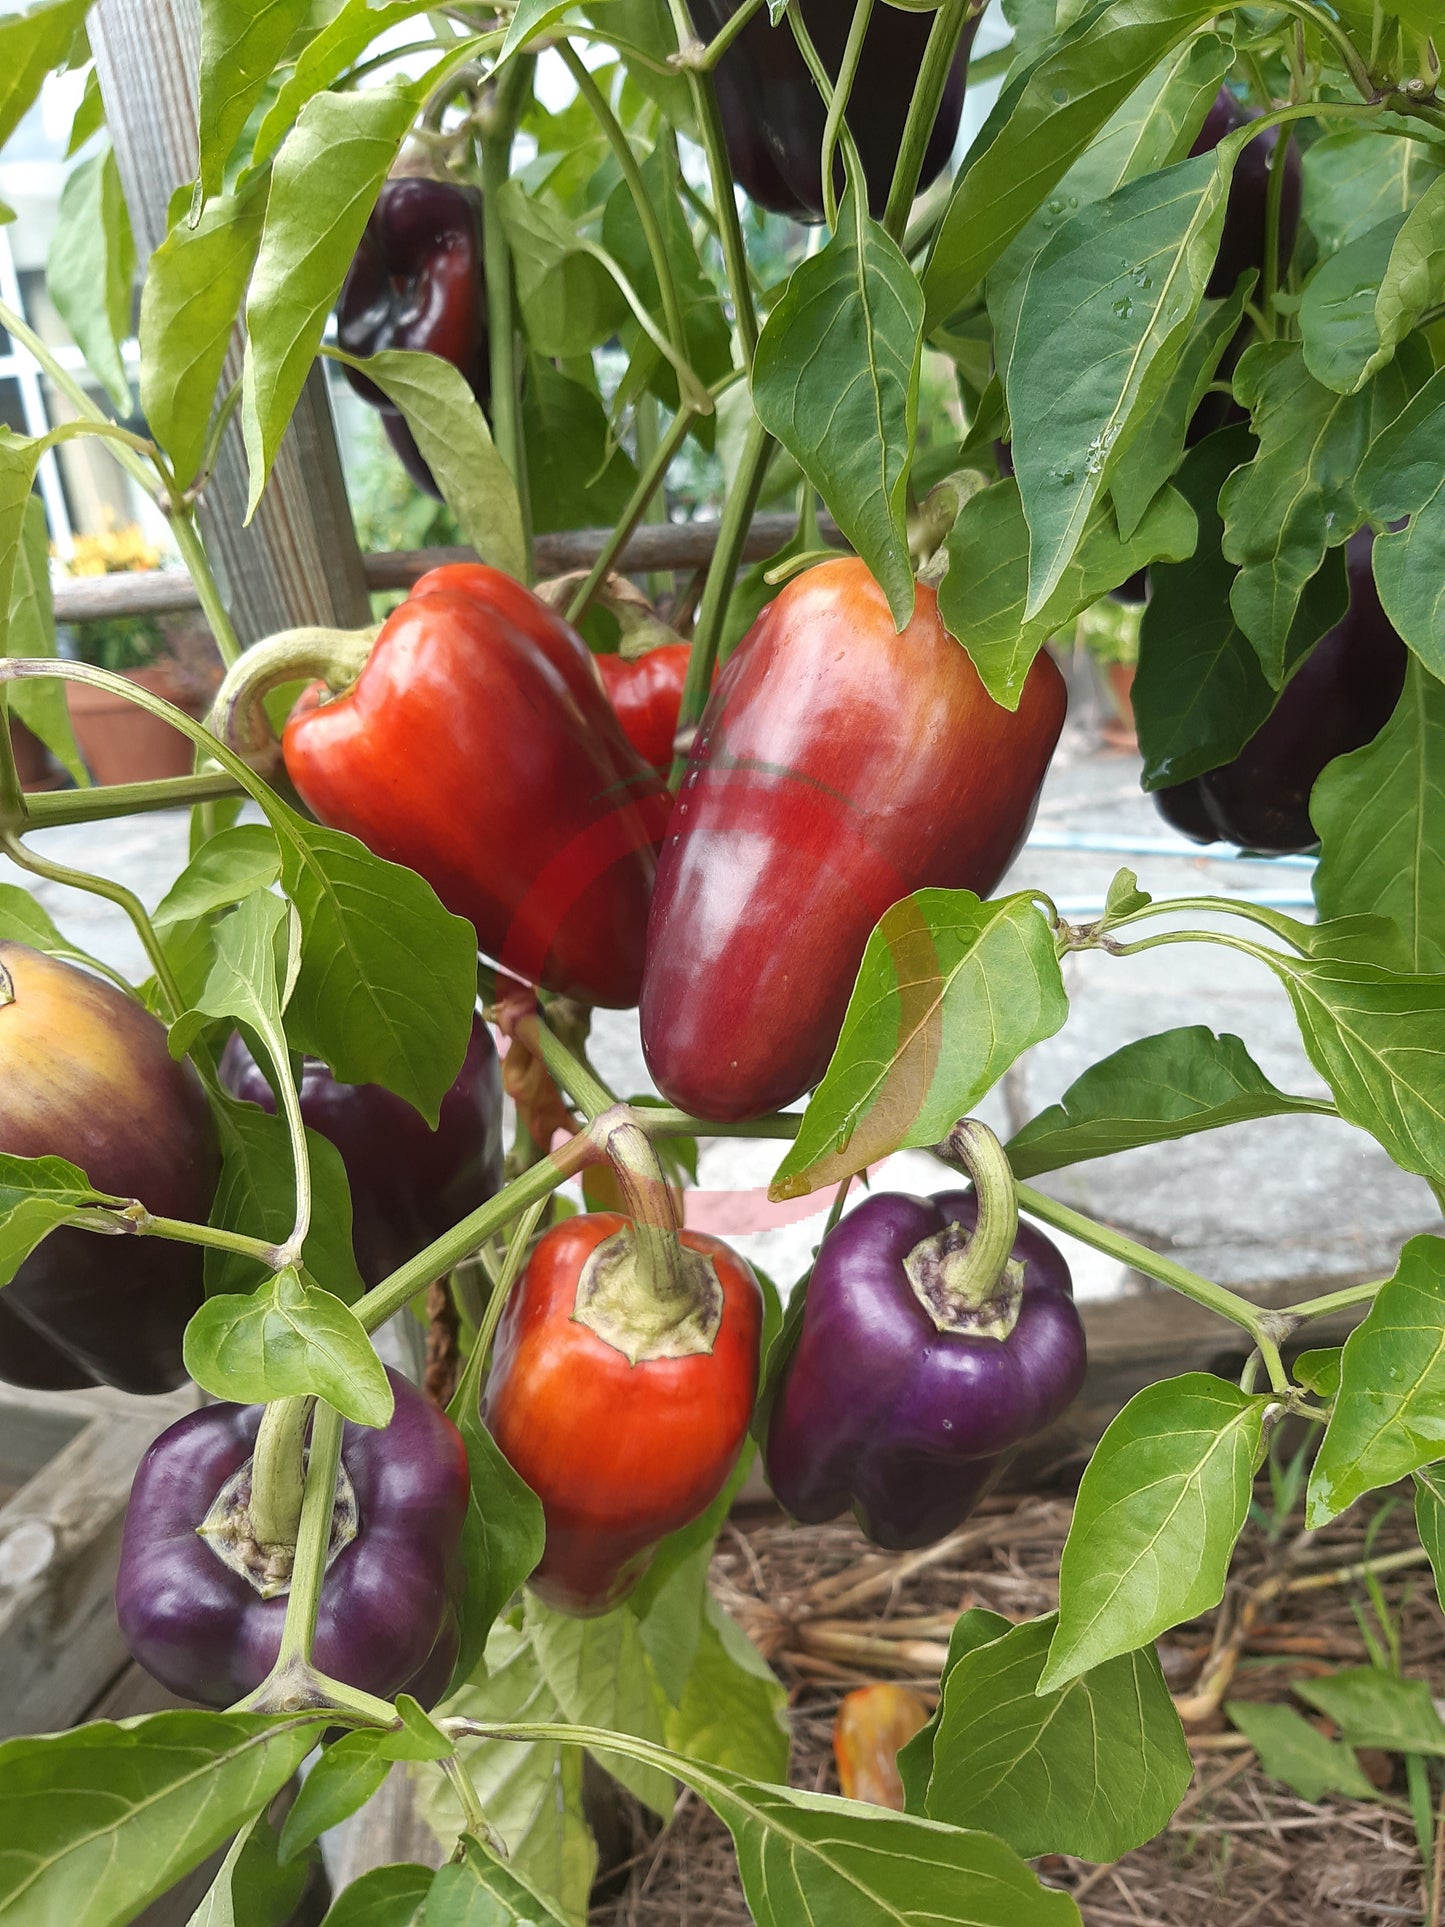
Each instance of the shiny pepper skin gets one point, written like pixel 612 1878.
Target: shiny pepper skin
pixel 619 1454
pixel 646 692
pixel 1339 699
pixel 85 1074
pixel 880 1410
pixel 773 115
pixel 837 768
pixel 872 1724
pixel 477 747
pixel 416 283
pixel 408 1183
pixel 387 1619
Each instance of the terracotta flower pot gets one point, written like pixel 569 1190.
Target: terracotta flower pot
pixel 36 767
pixel 120 741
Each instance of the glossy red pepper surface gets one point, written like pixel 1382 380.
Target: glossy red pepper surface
pixel 647 695
pixel 619 1454
pixel 477 747
pixel 837 768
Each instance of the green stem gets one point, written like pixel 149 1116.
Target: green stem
pixel 115 893
pixel 713 52
pixel 1332 31
pixel 637 187
pixel 938 56
pixel 648 483
pixel 278 1475
pixel 125 447
pixel 137 1221
pixel 285 1086
pixel 1274 198
pixel 1215 1298
pixel 969 1274
pixel 732 533
pixel 313 1537
pixel 823 81
pixel 590 1094
pixel 1333 1301
pixel 660 1122
pixel 719 167
pixel 843 89
pixel 539 1181
pixel 214 609
pixel 14 805
pixel 499 130
pixel 127 799
pixel 465 1398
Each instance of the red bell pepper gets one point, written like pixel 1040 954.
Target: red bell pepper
pixel 837 768
pixel 475 744
pixel 646 692
pixel 624 1415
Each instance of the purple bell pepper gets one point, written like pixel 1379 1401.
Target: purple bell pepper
pixel 409 1183
pixel 388 1615
pixel 906 1410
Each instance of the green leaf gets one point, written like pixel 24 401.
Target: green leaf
pixel 648 26
pixel 480 1891
pixel 30 631
pixel 97 1822
pixel 1389 1414
pixel 531 1793
pixel 811 1857
pixel 1430 1519
pixel 1374 1708
pixel 388 977
pixel 1401 477
pixel 1048 112
pixel 324 59
pixel 23 921
pixel 982 597
pixel 1292 1750
pixel 731 1710
pixel 835 378
pixel 417 1738
pixel 192 295
pixel 257 1195
pixel 1167 1086
pixel 89 116
pixel 1356 178
pixel 1359 305
pixel 1199 693
pixel 288 1340
pixel 975 1627
pixel 36 1195
pixel 392 1896
pixel 19 459
pixel 1319 1371
pixel 949 993
pixel 600 1675
pixel 91 268
pixel 1093 1769
pixel 1160 1506
pixel 340 1784
pixel 324 182
pixel 1154 452
pixel 1380 812
pixel 33 44
pixel 251 1889
pixel 569 302
pixel 1128 274
pixel 502 1538
pixel 576 477
pixel 1301 493
pixel 455 443
pixel 229 866
pixel 529 20
pixel 254 963
pixel 1375 1036
pixel 242 42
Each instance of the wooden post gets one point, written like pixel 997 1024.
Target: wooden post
pixel 298 562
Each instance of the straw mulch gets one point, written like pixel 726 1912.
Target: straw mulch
pixel 831 1614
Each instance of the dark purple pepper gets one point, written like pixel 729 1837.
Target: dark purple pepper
pixel 409 1183
pixel 1242 243
pixel 388 1618
pixel 1339 699
pixel 416 282
pixel 773 115
pixel 85 1074
pixel 880 1410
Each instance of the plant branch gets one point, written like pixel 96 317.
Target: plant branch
pixel 313 1538
pixel 938 57
pixel 648 483
pixel 498 129
pixel 127 799
pixel 732 532
pixel 834 124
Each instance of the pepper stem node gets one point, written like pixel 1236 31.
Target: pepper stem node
pixel 968 1281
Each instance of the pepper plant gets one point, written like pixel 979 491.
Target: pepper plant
pixel 1188 287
